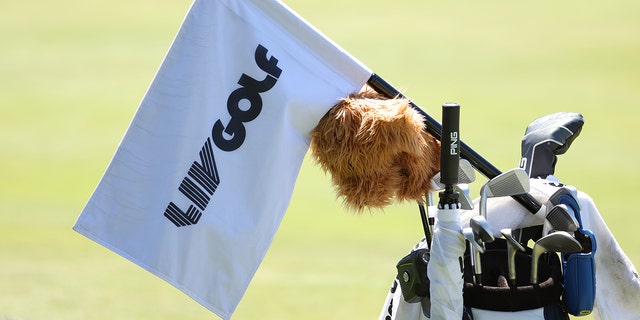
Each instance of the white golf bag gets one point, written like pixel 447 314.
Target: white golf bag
pixel 492 278
pixel 566 281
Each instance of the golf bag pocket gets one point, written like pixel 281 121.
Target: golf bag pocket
pixel 579 267
pixel 412 275
pixel 580 276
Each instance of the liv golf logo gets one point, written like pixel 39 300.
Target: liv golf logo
pixel 202 179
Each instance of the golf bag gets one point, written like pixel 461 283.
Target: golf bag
pixel 490 287
pixel 566 286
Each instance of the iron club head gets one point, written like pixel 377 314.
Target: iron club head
pixel 509 183
pixel 563 191
pixel 466 175
pixel 559 241
pixel 482 234
pixel 475 248
pixel 469 236
pixel 560 218
pixel 481 229
pixel 463 197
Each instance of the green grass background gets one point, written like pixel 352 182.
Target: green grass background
pixel 73 72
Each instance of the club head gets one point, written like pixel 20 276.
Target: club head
pixel 465 201
pixel 481 229
pixel 511 241
pixel 563 191
pixel 466 175
pixel 473 244
pixel 476 247
pixel 509 183
pixel 513 246
pixel 561 218
pixel 559 241
pixel 466 172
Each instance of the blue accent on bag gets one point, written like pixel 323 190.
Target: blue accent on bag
pixel 579 279
pixel 579 268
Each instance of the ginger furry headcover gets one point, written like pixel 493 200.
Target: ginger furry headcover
pixel 375 149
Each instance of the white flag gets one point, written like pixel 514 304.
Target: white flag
pixel 203 176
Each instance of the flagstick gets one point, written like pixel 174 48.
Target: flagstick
pixel 435 129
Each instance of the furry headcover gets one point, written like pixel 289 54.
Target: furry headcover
pixel 375 149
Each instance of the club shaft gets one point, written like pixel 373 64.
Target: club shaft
pixel 425 224
pixel 511 260
pixel 534 268
pixel 477 268
pixel 435 129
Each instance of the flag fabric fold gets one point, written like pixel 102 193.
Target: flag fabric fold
pixel 203 176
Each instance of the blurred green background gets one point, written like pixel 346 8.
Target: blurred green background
pixel 73 73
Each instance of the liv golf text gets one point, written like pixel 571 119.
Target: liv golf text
pixel 202 179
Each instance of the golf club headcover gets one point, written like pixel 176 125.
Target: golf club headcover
pixel 375 149
pixel 547 137
pixel 579 267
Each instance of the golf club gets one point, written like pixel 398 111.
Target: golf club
pixel 560 193
pixel 474 245
pixel 559 241
pixel 469 236
pixel 482 234
pixel 560 218
pixel 426 225
pixel 465 201
pixel 513 246
pixel 509 183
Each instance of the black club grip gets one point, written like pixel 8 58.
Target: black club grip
pixel 450 144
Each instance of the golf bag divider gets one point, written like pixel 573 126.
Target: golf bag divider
pixel 495 294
